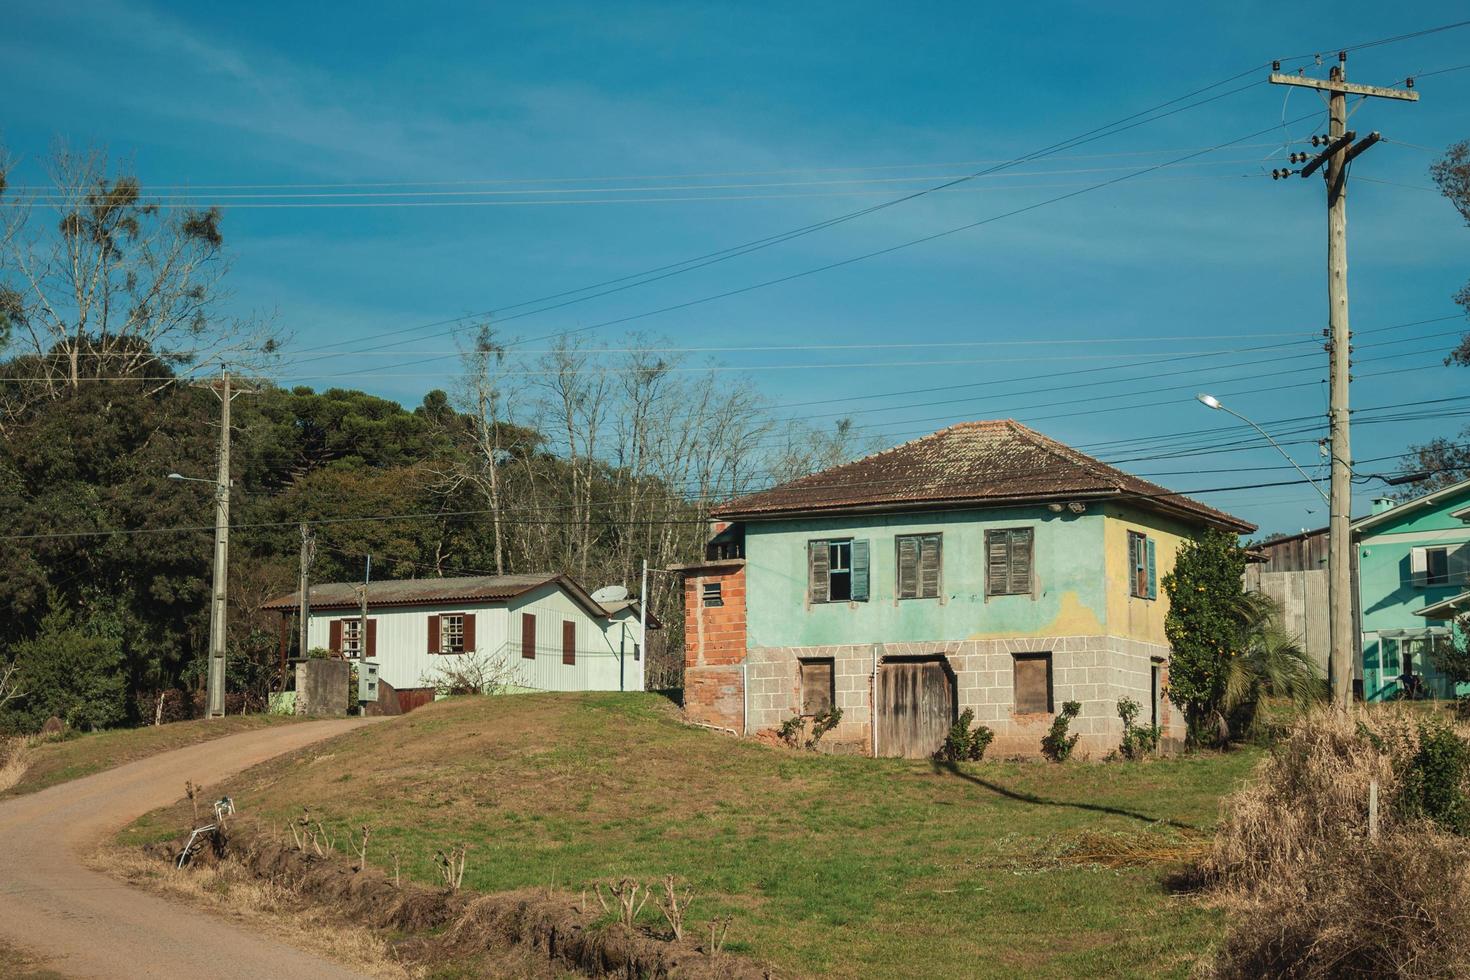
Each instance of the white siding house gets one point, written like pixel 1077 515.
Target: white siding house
pixel 545 628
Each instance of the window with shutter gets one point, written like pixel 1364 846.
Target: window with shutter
pixel 351 637
pixel 1008 561
pixel 1032 679
pixel 817 686
pixel 918 558
pixel 452 633
pixel 568 642
pixel 837 571
pixel 1142 581
pixel 528 636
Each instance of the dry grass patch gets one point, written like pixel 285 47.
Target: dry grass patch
pixel 265 905
pixel 15 759
pixel 1311 890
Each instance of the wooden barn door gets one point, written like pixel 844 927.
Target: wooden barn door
pixel 916 706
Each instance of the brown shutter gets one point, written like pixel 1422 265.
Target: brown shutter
pixel 1032 683
pixel 528 636
pixel 433 634
pixel 929 562
pixel 908 567
pixel 568 642
pixel 372 638
pixel 469 632
pixel 816 686
pixel 334 636
pixel 997 563
pixel 1021 561
pixel 819 564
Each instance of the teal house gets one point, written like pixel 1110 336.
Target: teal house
pixel 982 567
pixel 1413 580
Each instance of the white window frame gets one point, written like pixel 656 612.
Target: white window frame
pixel 451 627
pixel 353 642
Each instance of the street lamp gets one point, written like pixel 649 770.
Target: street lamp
pixel 1210 401
pixel 215 675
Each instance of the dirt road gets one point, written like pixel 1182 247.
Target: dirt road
pixel 84 924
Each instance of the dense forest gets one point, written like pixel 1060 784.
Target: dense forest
pixel 573 457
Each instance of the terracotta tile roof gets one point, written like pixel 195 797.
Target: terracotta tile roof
pixel 986 462
pixel 431 591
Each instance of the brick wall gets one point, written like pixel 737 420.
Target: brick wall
pixel 714 646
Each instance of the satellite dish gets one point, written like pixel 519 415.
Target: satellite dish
pixel 610 593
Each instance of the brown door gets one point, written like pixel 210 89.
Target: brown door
pixel 916 706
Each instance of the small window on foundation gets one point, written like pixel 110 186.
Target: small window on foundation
pixel 817 686
pixel 712 594
pixel 1033 683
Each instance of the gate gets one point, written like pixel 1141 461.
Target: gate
pixel 916 706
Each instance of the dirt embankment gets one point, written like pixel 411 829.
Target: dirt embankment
pixel 440 924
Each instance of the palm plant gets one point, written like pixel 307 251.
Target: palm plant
pixel 1266 659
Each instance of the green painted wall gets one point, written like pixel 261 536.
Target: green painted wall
pixel 1388 596
pixel 1070 595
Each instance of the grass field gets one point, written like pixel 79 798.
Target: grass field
pixel 57 761
pixel 829 865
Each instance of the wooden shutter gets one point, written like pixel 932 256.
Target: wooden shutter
pixel 469 632
pixel 816 686
pixel 372 638
pixel 1132 563
pixel 568 642
pixel 997 563
pixel 334 636
pixel 819 563
pixel 1419 566
pixel 433 634
pixel 1153 580
pixel 1032 683
pixel 929 565
pixel 860 565
pixel 528 636
pixel 908 567
pixel 1021 564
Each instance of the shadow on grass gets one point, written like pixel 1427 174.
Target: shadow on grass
pixel 954 770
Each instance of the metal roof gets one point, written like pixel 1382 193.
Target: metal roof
pixel 433 591
pixel 1446 608
pixel 988 462
pixel 1381 517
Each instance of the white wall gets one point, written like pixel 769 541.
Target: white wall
pixel 402 642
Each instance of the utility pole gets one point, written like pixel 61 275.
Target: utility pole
pixel 215 676
pixel 308 555
pixel 1340 150
pixel 367 577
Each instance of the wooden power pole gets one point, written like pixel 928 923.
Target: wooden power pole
pixel 218 606
pixel 308 555
pixel 1340 150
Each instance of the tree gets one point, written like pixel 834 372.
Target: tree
pixel 1266 660
pixel 1448 461
pixel 96 278
pixel 1205 596
pixel 1452 653
pixel 71 672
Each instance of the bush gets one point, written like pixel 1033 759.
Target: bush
pixel 1205 592
pixel 1056 744
pixel 1434 780
pixel 1138 741
pixel 795 733
pixel 479 672
pixel 963 743
pixel 72 674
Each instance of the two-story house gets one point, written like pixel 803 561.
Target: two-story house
pixel 984 566
pixel 1413 581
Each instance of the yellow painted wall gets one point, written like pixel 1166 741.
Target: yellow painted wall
pixel 1128 615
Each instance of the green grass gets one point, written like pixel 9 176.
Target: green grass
pixel 76 755
pixel 829 865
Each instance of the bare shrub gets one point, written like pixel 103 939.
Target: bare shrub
pixel 675 904
pixel 360 846
pixel 450 865
pixel 719 928
pixel 477 672
pixel 625 895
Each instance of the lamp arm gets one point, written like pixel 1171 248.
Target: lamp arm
pixel 1265 435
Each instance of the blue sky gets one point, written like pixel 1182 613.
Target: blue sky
pixel 1210 252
